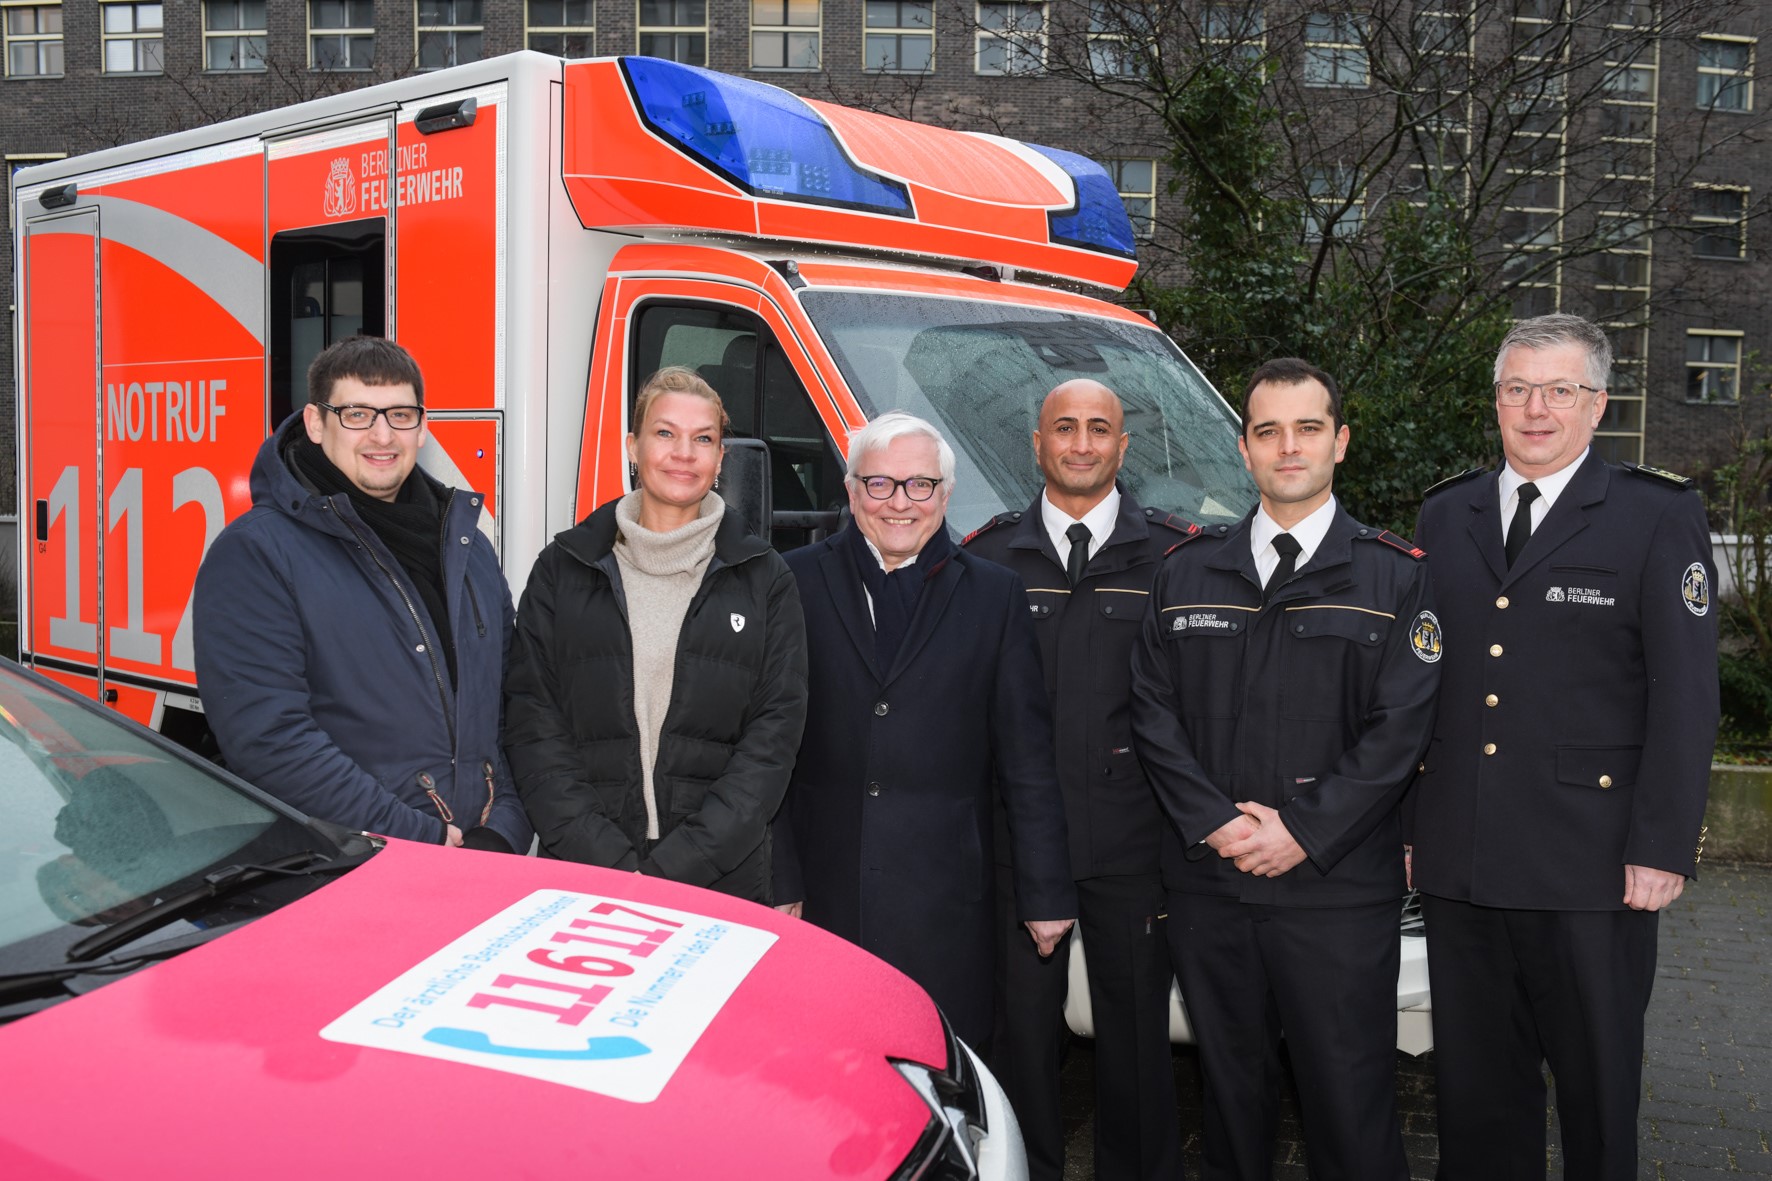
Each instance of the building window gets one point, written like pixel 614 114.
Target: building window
pixel 13 164
pixel 1631 80
pixel 1713 365
pixel 900 37
pixel 1011 38
pixel 33 40
pixel 676 30
pixel 1136 181
pixel 450 33
pixel 784 34
pixel 233 34
pixel 1112 53
pixel 1333 208
pixel 341 34
pixel 1234 29
pixel 564 28
pixel 131 37
pixel 1725 73
pixel 1334 49
pixel 1719 217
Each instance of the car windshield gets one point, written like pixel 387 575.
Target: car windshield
pixel 102 820
pixel 979 371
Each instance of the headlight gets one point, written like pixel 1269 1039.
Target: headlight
pixel 948 1148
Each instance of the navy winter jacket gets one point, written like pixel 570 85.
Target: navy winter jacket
pixel 316 667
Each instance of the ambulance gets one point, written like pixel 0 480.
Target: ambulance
pixel 542 234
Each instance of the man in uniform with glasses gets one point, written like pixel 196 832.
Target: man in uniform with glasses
pixel 926 699
pixel 1562 798
pixel 351 628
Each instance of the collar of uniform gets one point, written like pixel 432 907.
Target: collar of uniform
pixel 1308 533
pixel 1100 520
pixel 1507 486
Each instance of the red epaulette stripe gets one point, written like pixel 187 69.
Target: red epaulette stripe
pixel 1193 531
pixel 1408 547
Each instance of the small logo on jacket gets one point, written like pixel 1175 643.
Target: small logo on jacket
pixel 1554 595
pixel 737 621
pixel 1695 589
pixel 1424 637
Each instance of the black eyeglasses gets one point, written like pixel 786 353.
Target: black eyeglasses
pixel 882 487
pixel 361 418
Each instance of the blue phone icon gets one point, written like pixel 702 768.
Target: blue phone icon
pixel 596 1049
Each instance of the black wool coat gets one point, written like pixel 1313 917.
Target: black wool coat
pixel 886 832
pixel 738 701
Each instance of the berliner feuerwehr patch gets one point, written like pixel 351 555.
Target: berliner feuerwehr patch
pixel 1695 589
pixel 1424 636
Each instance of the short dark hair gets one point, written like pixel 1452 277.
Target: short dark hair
pixel 370 359
pixel 1292 371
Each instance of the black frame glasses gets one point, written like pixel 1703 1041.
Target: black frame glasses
pixel 883 487
pixel 374 412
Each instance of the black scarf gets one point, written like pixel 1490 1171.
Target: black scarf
pixel 410 525
pixel 895 593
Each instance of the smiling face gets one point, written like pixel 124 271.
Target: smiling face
pixel 1540 440
pixel 376 460
pixel 1080 444
pixel 676 453
pixel 1291 447
pixel 898 526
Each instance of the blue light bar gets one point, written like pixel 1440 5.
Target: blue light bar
pixel 759 137
pixel 1098 221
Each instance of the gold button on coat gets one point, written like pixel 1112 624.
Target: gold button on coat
pixel 1495 649
pixel 1605 781
pixel 1488 748
pixel 1491 700
pixel 1502 602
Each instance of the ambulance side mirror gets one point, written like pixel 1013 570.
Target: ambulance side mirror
pixel 745 484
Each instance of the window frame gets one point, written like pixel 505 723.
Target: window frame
pixel 452 32
pixel 562 31
pixel 786 32
pixel 1116 169
pixel 1333 180
pixel 899 33
pixel 1729 76
pixel 1712 224
pixel 1015 41
pixel 1708 366
pixel 39 39
pixel 643 30
pixel 137 37
pixel 344 34
pixel 241 33
pixel 1338 48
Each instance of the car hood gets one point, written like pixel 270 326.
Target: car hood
pixel 399 1022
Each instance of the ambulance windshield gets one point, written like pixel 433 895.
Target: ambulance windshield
pixel 979 371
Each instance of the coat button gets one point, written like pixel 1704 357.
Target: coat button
pixel 1107 610
pixel 420 648
pixel 1501 603
pixel 1491 700
pixel 1488 748
pixel 1373 636
pixel 873 789
pixel 1299 628
pixel 880 709
pixel 1495 649
pixel 465 541
pixel 1605 781
pixel 474 501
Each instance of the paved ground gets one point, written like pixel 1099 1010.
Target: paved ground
pixel 1707 1105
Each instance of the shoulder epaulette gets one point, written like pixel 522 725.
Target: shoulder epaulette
pixel 1194 533
pixel 1169 520
pixel 1395 542
pixel 999 519
pixel 1460 478
pixel 1643 469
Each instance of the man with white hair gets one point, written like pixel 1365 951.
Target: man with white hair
pixel 926 697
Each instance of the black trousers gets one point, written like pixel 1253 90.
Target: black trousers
pixel 1137 1137
pixel 1325 977
pixel 1514 989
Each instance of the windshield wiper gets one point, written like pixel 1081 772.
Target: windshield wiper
pixel 215 883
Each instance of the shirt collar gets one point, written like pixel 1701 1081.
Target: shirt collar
pixel 1308 533
pixel 1100 520
pixel 1549 487
pixel 875 550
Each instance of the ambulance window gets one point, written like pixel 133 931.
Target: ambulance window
pixel 327 283
pixel 764 400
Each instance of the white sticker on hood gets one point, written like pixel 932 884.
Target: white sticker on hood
pixel 577 989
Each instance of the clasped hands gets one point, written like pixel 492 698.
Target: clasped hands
pixel 1257 842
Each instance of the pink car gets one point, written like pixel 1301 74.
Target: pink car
pixel 197 982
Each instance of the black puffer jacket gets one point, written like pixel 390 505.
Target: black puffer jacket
pixel 738 704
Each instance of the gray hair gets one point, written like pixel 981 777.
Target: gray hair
pixel 1549 332
pixel 889 427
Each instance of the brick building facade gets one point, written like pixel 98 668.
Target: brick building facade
pixel 86 74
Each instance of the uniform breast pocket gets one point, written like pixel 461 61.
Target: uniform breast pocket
pixel 1585 595
pixel 1330 654
pixel 1207 667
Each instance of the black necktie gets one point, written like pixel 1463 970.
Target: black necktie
pixel 1520 528
pixel 1078 535
pixel 1288 548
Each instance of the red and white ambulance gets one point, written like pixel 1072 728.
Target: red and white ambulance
pixel 542 234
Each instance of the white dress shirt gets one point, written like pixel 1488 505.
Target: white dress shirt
pixel 1308 533
pixel 1100 520
pixel 1549 488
